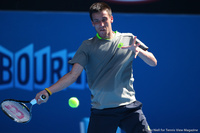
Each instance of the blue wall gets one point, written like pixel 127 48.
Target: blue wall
pixel 169 92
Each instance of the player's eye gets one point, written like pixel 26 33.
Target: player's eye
pixel 96 21
pixel 104 19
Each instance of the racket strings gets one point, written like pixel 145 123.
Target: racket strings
pixel 17 111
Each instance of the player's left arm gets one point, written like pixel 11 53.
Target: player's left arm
pixel 146 56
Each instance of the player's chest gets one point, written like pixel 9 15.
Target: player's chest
pixel 109 50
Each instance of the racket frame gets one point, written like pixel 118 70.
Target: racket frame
pixel 21 103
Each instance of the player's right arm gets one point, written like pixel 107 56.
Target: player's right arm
pixel 62 83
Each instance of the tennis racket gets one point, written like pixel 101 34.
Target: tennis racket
pixel 142 45
pixel 18 110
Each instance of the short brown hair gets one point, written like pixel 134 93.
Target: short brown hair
pixel 98 7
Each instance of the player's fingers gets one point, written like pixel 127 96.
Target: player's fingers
pixel 138 44
pixel 126 47
pixel 136 54
pixel 134 41
pixel 39 97
pixel 39 101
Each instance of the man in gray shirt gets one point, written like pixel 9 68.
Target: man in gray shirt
pixel 107 59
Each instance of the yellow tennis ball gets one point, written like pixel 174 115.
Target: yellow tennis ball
pixel 73 102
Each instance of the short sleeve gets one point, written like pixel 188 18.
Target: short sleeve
pixel 81 55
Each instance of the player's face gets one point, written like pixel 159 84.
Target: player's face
pixel 102 23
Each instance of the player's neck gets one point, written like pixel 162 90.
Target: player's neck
pixel 112 35
pixel 109 36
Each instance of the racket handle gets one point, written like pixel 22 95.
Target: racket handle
pixel 142 45
pixel 34 101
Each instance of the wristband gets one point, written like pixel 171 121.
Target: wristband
pixel 48 91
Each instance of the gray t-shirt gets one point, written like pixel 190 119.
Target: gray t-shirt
pixel 109 70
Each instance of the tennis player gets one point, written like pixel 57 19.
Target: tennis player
pixel 109 73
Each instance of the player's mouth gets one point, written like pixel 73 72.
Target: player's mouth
pixel 102 29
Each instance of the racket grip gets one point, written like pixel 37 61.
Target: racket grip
pixel 33 102
pixel 142 45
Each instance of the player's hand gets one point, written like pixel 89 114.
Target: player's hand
pixel 38 97
pixel 134 47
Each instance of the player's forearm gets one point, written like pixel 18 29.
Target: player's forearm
pixel 148 57
pixel 63 83
pixel 67 79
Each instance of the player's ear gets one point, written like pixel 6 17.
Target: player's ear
pixel 111 19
